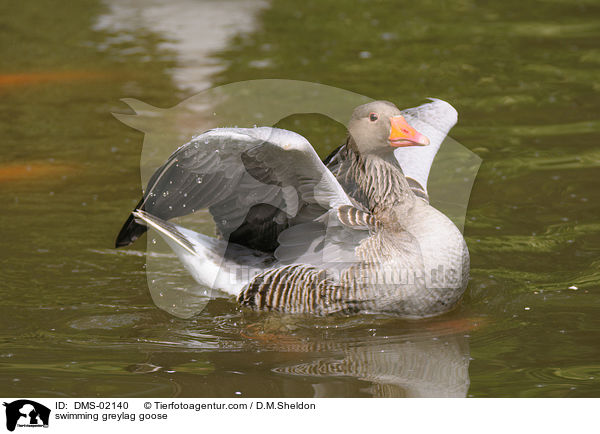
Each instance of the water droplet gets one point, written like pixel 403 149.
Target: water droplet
pixel 184 194
pixel 153 242
pixel 170 208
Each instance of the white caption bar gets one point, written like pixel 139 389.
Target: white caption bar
pixel 247 415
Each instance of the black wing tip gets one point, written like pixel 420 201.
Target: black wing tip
pixel 123 242
pixel 130 232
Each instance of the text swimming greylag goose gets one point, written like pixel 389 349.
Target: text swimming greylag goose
pixel 356 238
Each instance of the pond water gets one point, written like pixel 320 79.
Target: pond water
pixel 77 318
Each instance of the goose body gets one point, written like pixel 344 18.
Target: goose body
pixel 355 237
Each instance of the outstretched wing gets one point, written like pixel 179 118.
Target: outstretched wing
pixel 266 174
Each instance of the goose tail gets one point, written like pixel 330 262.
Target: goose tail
pixel 214 263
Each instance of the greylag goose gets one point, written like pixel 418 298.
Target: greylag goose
pixel 264 222
pixel 355 239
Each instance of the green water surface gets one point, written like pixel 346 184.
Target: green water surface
pixel 76 317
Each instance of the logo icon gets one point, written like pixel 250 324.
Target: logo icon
pixel 26 413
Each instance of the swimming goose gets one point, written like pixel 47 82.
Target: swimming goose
pixel 374 247
pixel 264 222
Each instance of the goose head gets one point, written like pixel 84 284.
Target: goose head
pixel 379 127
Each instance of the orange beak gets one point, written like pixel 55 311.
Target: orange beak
pixel 403 134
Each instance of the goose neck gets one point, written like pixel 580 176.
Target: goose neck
pixel 380 178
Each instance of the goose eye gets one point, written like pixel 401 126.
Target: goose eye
pixel 373 117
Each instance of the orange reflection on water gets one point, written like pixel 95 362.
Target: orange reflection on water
pixel 14 172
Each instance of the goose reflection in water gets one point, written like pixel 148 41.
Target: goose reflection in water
pixel 432 362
